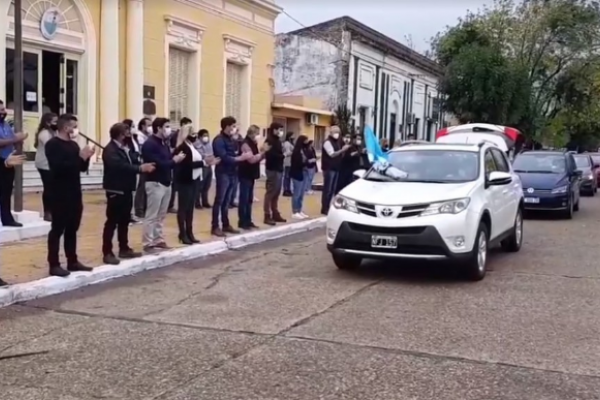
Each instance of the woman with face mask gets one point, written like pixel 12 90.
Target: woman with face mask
pixel 288 148
pixel 298 165
pixel 238 140
pixel 274 169
pixel 46 131
pixel 186 177
pixel 144 129
pixel 205 149
pixel 311 167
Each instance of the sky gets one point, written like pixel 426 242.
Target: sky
pixel 403 20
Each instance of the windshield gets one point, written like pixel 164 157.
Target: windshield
pixel 540 163
pixel 582 161
pixel 433 166
pixel 596 159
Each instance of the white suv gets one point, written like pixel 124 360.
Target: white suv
pixel 433 202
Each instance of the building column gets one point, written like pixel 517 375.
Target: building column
pixel 109 67
pixel 135 59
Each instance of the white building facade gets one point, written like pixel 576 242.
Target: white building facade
pixel 386 85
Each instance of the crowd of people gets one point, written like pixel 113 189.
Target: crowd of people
pixel 150 168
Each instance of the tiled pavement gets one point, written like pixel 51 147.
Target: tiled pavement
pixel 25 261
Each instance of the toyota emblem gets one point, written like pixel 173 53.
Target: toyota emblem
pixel 387 212
pixel 530 190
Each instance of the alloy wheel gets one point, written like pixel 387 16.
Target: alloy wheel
pixel 481 252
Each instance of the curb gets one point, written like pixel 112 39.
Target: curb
pixel 55 285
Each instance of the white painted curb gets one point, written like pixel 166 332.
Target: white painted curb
pixel 54 285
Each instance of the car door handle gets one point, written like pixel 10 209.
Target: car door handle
pixel 505 191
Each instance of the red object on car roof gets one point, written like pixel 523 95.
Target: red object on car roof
pixel 509 134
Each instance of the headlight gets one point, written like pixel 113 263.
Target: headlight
pixel 589 176
pixel 560 189
pixel 447 207
pixel 342 203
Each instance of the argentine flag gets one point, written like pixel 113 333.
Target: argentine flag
pixel 374 152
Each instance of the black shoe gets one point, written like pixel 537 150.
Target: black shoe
pixel 13 224
pixel 47 217
pixel 268 220
pixel 287 193
pixel 191 236
pixel 217 232
pixel 198 207
pixel 279 218
pixel 129 254
pixel 110 259
pixel 206 205
pixel 233 205
pixel 230 229
pixel 183 239
pixel 172 210
pixel 57 270
pixel 78 267
pixel 3 283
pixel 251 225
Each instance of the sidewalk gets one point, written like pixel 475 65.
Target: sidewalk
pixel 25 261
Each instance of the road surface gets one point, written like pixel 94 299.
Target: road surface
pixel 279 321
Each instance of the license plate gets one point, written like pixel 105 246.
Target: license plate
pixel 532 200
pixel 384 242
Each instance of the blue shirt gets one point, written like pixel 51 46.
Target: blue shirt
pixel 155 150
pixel 225 148
pixel 6 132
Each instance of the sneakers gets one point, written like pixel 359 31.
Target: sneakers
pixel 304 215
pixel 297 216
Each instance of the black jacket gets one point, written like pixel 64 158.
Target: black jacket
pixel 298 163
pixel 274 157
pixel 120 169
pixel 183 172
pixel 311 154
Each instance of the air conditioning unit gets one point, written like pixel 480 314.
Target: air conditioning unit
pixel 312 119
pixel 410 119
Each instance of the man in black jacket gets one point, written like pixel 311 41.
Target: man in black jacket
pixel 274 168
pixel 121 166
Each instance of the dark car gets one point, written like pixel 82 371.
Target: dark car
pixel 589 184
pixel 596 160
pixel 550 181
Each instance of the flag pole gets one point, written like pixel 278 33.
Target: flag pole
pixel 18 100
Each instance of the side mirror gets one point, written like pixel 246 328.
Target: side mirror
pixel 578 173
pixel 596 166
pixel 359 173
pixel 498 178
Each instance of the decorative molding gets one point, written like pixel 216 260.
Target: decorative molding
pixel 237 49
pixel 184 33
pixel 219 10
pixel 365 78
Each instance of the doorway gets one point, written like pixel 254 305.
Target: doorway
pixel 59 83
pixel 393 128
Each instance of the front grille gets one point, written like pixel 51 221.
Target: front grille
pixel 538 191
pixel 407 230
pixel 407 211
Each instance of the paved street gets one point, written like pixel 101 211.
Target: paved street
pixel 280 322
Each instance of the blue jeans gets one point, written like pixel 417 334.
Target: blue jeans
pixel 298 190
pixel 330 179
pixel 287 181
pixel 309 177
pixel 234 192
pixel 245 202
pixel 224 189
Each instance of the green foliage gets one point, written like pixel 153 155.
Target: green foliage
pixel 529 64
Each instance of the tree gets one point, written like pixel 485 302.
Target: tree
pixel 525 50
pixel 343 118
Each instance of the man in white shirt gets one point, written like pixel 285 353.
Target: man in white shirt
pixel 330 165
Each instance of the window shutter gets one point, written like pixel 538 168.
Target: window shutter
pixel 179 69
pixel 233 95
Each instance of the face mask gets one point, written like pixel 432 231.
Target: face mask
pixel 167 132
pixel 336 136
pixel 54 127
pixel 346 140
pixel 359 142
pixel 233 131
pixel 2 117
pixel 74 133
pixel 149 130
pixel 204 139
pixel 192 139
pixel 235 136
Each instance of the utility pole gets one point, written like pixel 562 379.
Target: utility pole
pixel 18 100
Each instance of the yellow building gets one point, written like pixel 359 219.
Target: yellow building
pixel 106 60
pixel 302 116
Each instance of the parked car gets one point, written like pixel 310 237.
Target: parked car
pixel 550 181
pixel 596 160
pixel 589 182
pixel 433 202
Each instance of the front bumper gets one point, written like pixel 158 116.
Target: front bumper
pixel 413 242
pixel 587 185
pixel 546 201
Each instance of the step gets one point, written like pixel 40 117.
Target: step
pixel 90 180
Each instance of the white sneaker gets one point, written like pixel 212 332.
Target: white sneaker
pixel 297 216
pixel 304 215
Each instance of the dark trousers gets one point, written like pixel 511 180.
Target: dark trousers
pixel 224 189
pixel 186 196
pixel 204 187
pixel 234 192
pixel 45 175
pixel 7 178
pixel 118 214
pixel 174 190
pixel 330 179
pixel 245 202
pixel 66 218
pixel 273 190
pixel 287 181
pixel 140 197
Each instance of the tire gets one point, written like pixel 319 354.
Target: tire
pixel 475 266
pixel 347 263
pixel 513 243
pixel 568 214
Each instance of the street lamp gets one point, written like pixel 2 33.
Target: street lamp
pixel 18 100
